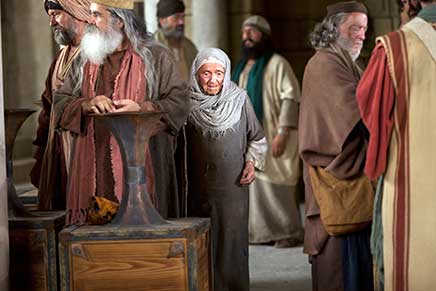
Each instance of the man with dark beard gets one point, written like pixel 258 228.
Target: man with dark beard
pixel 275 94
pixel 171 33
pixel 332 143
pixel 68 20
pixel 125 71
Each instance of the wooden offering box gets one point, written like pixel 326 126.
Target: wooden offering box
pixel 168 257
pixel 33 251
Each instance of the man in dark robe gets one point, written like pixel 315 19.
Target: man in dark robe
pixel 225 144
pixel 171 33
pixel 49 174
pixel 126 71
pixel 332 138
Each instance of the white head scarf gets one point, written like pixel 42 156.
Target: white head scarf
pixel 217 114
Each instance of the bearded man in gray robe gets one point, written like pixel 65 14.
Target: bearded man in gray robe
pixel 225 144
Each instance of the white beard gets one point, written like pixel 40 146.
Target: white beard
pixel 96 45
pixel 348 46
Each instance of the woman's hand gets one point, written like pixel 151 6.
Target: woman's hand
pixel 248 174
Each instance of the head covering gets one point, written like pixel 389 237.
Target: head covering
pixel 259 22
pixel 79 9
pixel 428 13
pixel 167 8
pixel 122 4
pixel 211 60
pixel 215 115
pixel 346 7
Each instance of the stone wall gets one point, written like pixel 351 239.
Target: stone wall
pixel 27 54
pixel 4 240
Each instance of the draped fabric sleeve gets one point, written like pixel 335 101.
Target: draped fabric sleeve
pixel 328 112
pixel 376 96
pixel 43 126
pixel 256 141
pixel 44 115
pixel 72 118
pixel 174 93
pixel 289 94
pixel 289 114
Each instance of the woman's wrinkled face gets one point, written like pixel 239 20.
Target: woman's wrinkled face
pixel 211 78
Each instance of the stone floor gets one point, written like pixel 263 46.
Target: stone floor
pixel 273 269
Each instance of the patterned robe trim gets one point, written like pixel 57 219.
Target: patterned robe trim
pixel 396 50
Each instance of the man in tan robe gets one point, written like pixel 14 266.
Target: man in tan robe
pixel 396 96
pixel 332 139
pixel 171 33
pixel 68 20
pixel 125 71
pixel 275 94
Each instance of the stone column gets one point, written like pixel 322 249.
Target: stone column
pixel 209 23
pixel 150 7
pixel 27 55
pixel 4 239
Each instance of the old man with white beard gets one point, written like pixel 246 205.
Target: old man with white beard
pixel 124 71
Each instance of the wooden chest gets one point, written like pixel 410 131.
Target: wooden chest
pixel 33 252
pixel 173 257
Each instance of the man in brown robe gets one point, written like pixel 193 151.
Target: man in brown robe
pixel 68 20
pixel 332 138
pixel 171 33
pixel 125 71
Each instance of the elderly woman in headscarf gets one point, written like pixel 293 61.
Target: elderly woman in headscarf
pixel 225 143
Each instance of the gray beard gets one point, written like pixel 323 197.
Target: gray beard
pixel 347 45
pixel 176 33
pixel 97 45
pixel 63 36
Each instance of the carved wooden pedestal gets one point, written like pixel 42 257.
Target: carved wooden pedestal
pixel 139 250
